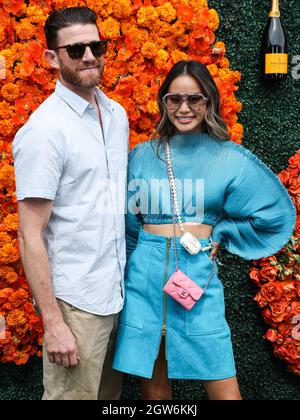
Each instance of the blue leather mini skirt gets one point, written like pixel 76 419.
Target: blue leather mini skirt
pixel 198 342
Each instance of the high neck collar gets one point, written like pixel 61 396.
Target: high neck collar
pixel 189 139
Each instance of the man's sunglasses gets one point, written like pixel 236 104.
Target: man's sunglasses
pixel 77 51
pixel 173 101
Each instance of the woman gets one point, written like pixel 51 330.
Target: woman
pixel 240 204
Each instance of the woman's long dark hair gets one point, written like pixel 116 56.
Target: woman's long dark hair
pixel 213 123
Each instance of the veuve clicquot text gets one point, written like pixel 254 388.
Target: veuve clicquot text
pixel 274 52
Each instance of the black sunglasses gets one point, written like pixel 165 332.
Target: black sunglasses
pixel 77 51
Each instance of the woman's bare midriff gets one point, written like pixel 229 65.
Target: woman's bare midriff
pixel 199 230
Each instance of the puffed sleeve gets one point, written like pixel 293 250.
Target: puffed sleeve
pixel 259 216
pixel 133 217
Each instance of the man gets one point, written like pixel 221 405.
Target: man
pixel 70 166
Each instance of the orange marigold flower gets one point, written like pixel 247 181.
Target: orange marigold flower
pixel 220 46
pixel 198 4
pixel 7 178
pixel 161 59
pixel 21 359
pixel 6 111
pixel 8 274
pixel 224 63
pixel 147 16
pixel 165 30
pixel 135 38
pixel 10 222
pixel 178 28
pixel 5 294
pixel 127 83
pixel 141 94
pixel 149 49
pixel 185 14
pixel 136 66
pixel 235 76
pixel 122 9
pixel 9 253
pixel 236 133
pixel 25 30
pixel 110 28
pixel 224 73
pixel 213 69
pixel 183 41
pixel 214 20
pixel 10 92
pixel 16 318
pixel 124 54
pixel 167 13
pixel 179 55
pixel 18 298
pixel 145 124
pixel 14 7
pixel 12 277
pixel 152 107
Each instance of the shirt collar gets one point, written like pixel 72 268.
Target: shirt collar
pixel 76 102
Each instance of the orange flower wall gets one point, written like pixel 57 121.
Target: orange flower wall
pixel 147 38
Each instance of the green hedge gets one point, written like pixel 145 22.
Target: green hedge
pixel 272 132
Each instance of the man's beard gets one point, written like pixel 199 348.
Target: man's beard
pixel 73 76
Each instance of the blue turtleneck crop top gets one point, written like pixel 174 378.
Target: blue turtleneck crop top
pixel 219 183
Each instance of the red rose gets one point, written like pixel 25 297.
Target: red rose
pixel 271 335
pixel 255 276
pixel 269 272
pixel 295 186
pixel 279 309
pixel 262 303
pixel 268 318
pixel 285 329
pixel 285 177
pixel 289 289
pixel 289 351
pixel 272 291
pixel 294 162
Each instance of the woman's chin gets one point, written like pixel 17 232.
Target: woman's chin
pixel 188 129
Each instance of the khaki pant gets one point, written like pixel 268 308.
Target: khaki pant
pixel 95 336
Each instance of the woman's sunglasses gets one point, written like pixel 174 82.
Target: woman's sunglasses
pixel 77 51
pixel 173 101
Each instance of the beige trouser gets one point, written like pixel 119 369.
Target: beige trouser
pixel 95 336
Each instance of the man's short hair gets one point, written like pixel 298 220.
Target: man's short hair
pixel 63 18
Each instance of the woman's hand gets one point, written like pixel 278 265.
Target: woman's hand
pixel 214 250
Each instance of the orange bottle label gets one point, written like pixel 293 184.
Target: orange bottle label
pixel 276 63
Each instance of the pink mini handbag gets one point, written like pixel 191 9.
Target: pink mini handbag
pixel 184 290
pixel 180 287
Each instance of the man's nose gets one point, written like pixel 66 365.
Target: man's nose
pixel 88 55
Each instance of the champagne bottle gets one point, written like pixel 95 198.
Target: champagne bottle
pixel 274 53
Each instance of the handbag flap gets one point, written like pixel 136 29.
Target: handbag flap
pixel 183 281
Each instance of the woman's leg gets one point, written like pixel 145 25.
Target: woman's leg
pixel 227 389
pixel 158 387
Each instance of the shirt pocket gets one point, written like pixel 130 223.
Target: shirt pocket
pixel 136 288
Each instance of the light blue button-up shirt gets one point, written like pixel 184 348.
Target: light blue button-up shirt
pixel 62 154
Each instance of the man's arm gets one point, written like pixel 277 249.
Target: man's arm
pixel 34 215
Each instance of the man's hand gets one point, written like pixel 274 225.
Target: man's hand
pixel 214 250
pixel 60 345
